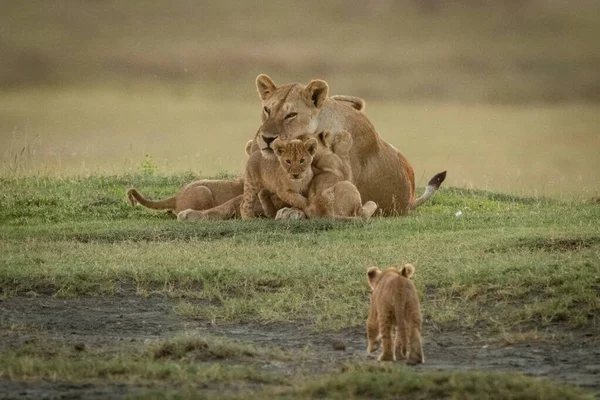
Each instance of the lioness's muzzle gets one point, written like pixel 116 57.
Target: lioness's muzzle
pixel 268 140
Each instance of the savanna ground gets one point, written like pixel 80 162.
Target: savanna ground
pixel 100 300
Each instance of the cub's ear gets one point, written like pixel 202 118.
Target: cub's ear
pixel 408 270
pixel 372 273
pixel 326 138
pixel 265 86
pixel 278 147
pixel 315 93
pixel 311 146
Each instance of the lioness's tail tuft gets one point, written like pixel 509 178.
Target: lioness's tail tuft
pixel 432 187
pixel 437 180
pixel 408 270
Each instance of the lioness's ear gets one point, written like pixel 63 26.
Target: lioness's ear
pixel 249 147
pixel 408 270
pixel 265 86
pixel 311 146
pixel 372 273
pixel 316 93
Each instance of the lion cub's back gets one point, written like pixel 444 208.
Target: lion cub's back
pixel 393 287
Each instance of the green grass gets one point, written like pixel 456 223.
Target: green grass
pixel 547 150
pixel 182 360
pixel 188 367
pixel 393 383
pixel 508 268
pixel 507 263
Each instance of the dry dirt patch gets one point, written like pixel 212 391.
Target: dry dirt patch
pixel 114 321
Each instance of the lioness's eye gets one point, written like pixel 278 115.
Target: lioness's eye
pixel 302 161
pixel 291 115
pixel 266 110
pixel 288 161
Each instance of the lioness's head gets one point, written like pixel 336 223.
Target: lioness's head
pixel 288 111
pixel 295 156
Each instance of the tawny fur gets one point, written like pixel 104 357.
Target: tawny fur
pixel 394 306
pixel 198 195
pixel 226 206
pixel 287 177
pixel 380 172
pixel 331 193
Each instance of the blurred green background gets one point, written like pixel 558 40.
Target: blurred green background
pixel 503 94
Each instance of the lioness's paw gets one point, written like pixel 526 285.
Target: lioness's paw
pixel 189 215
pixel 368 209
pixel 290 213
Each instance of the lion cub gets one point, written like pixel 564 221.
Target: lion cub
pixel 330 193
pixel 394 303
pixel 287 176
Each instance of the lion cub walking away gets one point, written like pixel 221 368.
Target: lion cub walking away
pixel 394 303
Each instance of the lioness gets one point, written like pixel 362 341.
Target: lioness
pixel 288 178
pixel 329 193
pixel 394 303
pixel 379 171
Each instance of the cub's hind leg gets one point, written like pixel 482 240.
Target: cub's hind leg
pixel 195 198
pixel 416 346
pixel 386 325
pixel 373 338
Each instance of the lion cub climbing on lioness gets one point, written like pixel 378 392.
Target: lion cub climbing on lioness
pixel 394 304
pixel 331 193
pixel 288 178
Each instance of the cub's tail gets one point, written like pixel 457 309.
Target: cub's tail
pixel 432 187
pixel 135 197
pixel 407 271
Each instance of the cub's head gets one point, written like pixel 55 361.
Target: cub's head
pixel 374 274
pixel 295 156
pixel 288 111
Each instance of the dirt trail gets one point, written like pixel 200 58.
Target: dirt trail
pixel 109 321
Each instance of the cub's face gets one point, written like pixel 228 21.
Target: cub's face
pixel 295 156
pixel 288 111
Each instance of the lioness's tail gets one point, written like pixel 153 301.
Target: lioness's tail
pixel 432 187
pixel 353 101
pixel 135 197
pixel 407 271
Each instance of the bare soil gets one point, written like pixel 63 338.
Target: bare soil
pixel 109 321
